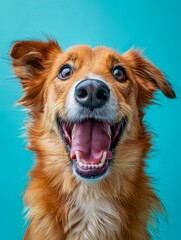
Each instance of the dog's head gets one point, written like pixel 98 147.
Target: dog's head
pixel 88 101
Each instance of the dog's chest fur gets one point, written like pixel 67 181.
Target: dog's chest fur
pixel 92 216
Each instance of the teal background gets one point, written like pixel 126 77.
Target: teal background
pixel 153 25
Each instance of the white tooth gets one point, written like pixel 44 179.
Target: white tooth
pixel 92 165
pixel 100 165
pixel 73 131
pixel 96 165
pixel 81 164
pixel 77 156
pixel 103 157
pixel 109 131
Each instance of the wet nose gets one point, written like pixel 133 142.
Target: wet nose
pixel 92 93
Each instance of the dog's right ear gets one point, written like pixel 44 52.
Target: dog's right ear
pixel 31 58
pixel 32 61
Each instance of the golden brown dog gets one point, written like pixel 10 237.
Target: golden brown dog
pixel 86 108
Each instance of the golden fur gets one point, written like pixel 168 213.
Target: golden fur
pixel 59 205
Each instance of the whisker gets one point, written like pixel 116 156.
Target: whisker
pixel 5 60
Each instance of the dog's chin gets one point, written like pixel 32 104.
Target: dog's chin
pixel 91 144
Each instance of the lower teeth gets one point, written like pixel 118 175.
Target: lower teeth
pixel 88 166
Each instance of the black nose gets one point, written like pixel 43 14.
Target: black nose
pixel 92 93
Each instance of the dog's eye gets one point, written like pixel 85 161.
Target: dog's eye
pixel 119 73
pixel 65 72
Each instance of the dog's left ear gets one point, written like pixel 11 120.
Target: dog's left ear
pixel 148 77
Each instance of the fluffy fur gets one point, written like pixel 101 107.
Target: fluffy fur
pixel 59 205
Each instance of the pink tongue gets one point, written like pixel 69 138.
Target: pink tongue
pixel 91 139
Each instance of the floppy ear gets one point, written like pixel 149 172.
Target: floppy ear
pixel 31 62
pixel 148 77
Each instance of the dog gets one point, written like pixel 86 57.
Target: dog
pixel 86 108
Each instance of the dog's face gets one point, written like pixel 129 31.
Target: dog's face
pixel 90 102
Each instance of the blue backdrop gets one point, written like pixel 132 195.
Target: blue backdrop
pixel 153 25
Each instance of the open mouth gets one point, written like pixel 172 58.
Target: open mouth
pixel 91 145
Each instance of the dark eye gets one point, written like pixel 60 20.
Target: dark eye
pixel 119 73
pixel 65 72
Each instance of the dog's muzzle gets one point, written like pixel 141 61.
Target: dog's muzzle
pixel 91 132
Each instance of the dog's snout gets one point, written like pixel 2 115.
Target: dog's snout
pixel 92 93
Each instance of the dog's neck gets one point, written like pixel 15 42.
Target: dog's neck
pixel 92 215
